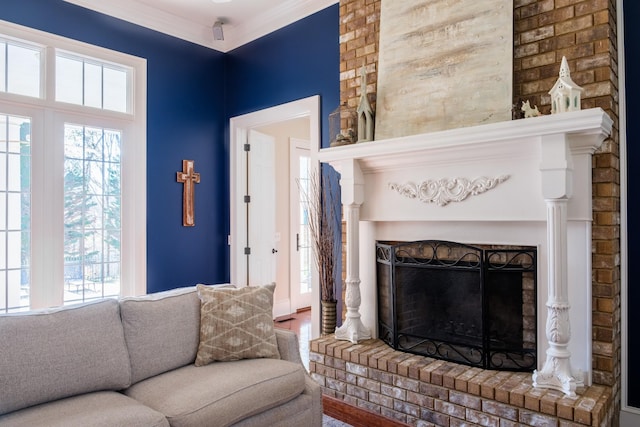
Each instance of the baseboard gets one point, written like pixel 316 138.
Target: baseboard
pixel 355 416
pixel 281 308
pixel 284 318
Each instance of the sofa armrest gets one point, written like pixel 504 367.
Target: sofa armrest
pixel 288 345
pixel 313 389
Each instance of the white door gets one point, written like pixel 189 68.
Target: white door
pixel 301 251
pixel 261 209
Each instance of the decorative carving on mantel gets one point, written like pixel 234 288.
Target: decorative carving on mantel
pixel 445 190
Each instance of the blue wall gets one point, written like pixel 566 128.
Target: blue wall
pixel 298 61
pixel 295 62
pixel 189 103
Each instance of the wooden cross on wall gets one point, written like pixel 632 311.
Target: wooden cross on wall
pixel 189 178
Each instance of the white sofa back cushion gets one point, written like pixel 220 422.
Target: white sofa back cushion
pixel 161 331
pixel 53 354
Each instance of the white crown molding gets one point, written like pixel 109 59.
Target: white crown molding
pixel 286 13
pixel 155 19
pixel 235 35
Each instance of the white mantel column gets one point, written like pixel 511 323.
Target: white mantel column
pixel 557 186
pixel 352 188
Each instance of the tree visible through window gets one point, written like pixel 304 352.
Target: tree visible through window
pixel 92 203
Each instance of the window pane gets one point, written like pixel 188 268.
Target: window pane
pixel 112 146
pixel 92 219
pixel 23 70
pixel 14 167
pixel 15 212
pixel 3 67
pixel 83 82
pixel 3 171
pixel 14 240
pixel 93 177
pixel 93 144
pixel 92 85
pixel 93 211
pixel 304 245
pixel 14 216
pixel 115 90
pixel 74 142
pixel 18 292
pixel 68 80
pixel 112 178
pixel 3 252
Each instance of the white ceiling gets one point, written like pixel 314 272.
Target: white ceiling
pixel 192 20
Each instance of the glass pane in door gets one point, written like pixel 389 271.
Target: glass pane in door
pixel 304 242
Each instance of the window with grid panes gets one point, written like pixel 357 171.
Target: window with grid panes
pixel 70 229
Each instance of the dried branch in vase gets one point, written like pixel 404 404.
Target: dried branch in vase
pixel 319 197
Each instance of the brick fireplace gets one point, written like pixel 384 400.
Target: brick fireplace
pixel 544 31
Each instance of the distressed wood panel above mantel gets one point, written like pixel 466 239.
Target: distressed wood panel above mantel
pixel 443 64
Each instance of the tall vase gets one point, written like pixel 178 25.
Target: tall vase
pixel 328 317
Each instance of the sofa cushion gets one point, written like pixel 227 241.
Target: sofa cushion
pixel 236 324
pixel 226 392
pixel 99 409
pixel 52 354
pixel 300 411
pixel 161 331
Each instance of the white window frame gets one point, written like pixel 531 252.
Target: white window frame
pixel 47 181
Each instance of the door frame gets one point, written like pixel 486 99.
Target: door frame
pixel 238 130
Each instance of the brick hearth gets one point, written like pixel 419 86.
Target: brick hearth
pixel 422 391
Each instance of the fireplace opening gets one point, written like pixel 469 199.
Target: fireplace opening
pixel 474 305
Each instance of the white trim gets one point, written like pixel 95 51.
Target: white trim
pixel 239 126
pixel 286 13
pixel 630 416
pixel 236 35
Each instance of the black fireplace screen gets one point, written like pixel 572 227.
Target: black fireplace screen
pixel 466 304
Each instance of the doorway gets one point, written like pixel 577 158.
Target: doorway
pixel 271 121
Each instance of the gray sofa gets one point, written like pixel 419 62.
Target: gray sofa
pixel 131 363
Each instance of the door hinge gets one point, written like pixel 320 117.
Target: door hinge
pixel 247 147
pixel 247 199
pixel 247 251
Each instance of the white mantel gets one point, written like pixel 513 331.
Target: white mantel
pixel 541 197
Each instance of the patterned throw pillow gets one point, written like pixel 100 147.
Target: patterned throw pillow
pixel 236 324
